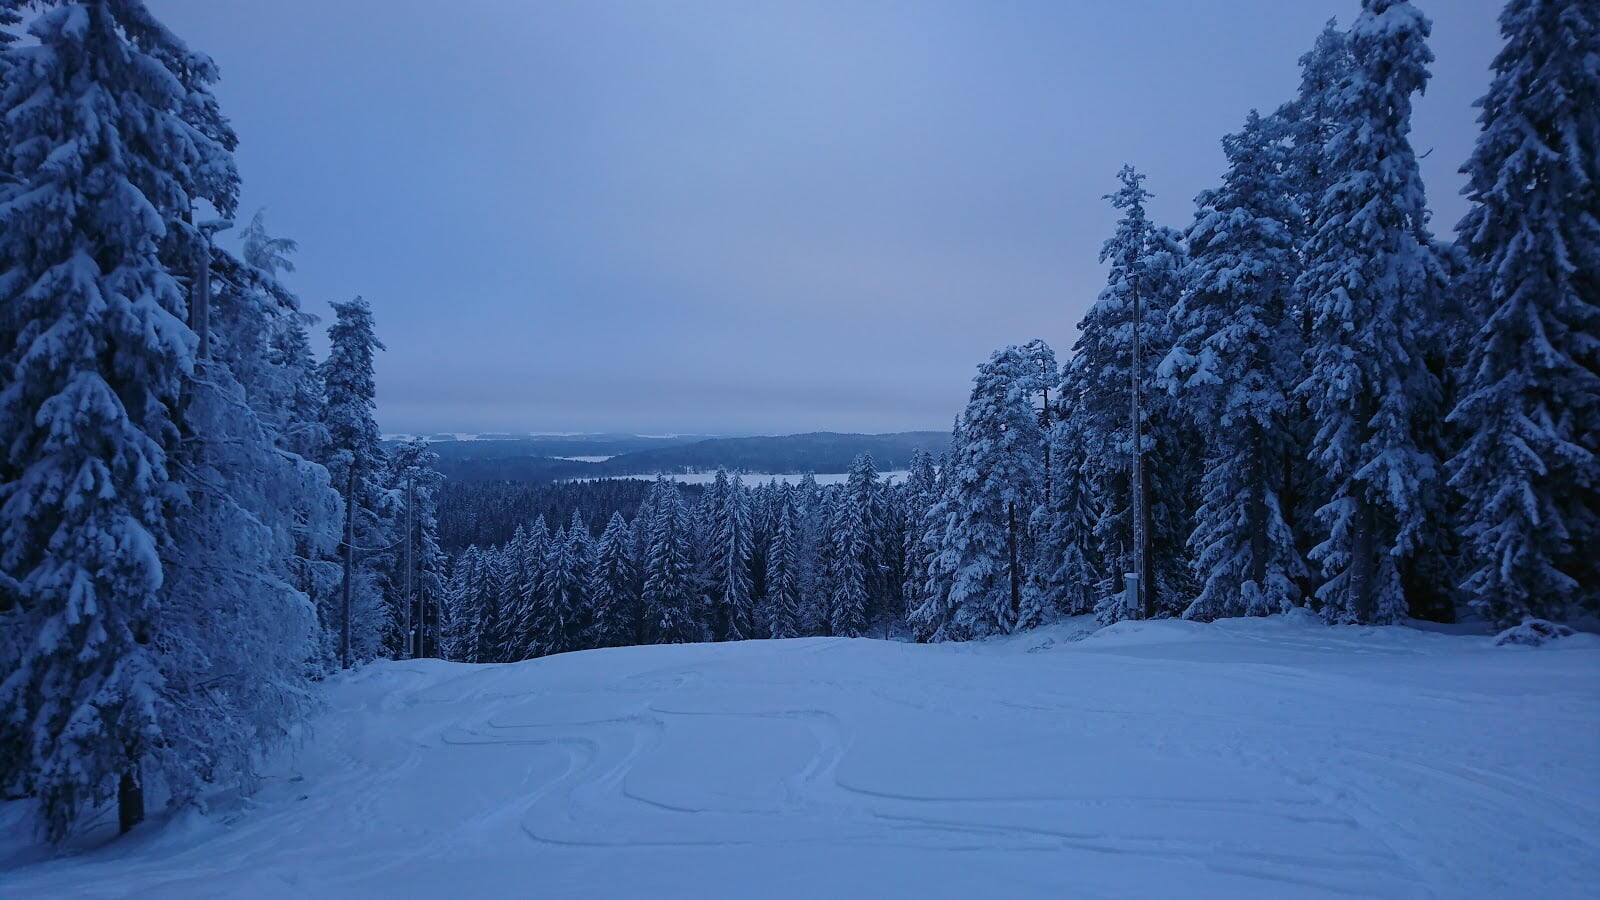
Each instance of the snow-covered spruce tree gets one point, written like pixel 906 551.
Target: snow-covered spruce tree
pixel 491 607
pixel 1146 262
pixel 1371 281
pixel 10 19
pixel 583 546
pixel 784 600
pixel 931 616
pixel 458 636
pixel 1311 120
pixel 891 542
pixel 811 509
pixel 504 621
pixel 1231 370
pixel 557 599
pixel 414 463
pixel 1046 374
pixel 732 609
pixel 996 478
pixel 1432 573
pixel 613 595
pixel 357 459
pixel 523 561
pixel 702 526
pixel 1530 470
pixel 1062 568
pixel 920 492
pixel 763 521
pixel 864 491
pixel 144 507
pixel 846 574
pixel 669 590
pixel 238 628
pixel 300 384
pixel 292 405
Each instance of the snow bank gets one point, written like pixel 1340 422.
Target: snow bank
pixel 1533 633
pixel 1263 757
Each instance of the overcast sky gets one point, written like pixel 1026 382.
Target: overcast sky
pixel 743 216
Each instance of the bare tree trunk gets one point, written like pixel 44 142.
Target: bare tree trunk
pixel 1139 506
pixel 1044 424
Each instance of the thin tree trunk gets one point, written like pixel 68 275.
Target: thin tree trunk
pixel 1044 424
pixel 1016 579
pixel 1363 567
pixel 1139 506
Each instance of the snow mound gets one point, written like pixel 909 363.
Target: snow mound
pixel 1532 633
pixel 1244 758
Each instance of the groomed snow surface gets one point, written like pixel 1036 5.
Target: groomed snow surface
pixel 1248 758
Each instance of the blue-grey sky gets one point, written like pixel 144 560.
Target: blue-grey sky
pixel 737 215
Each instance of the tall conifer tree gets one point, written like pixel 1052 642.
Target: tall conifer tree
pixel 1530 470
pixel 1371 281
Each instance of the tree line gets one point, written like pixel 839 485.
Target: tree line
pixel 733 563
pixel 196 518
pixel 1304 399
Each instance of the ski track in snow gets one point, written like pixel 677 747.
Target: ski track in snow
pixel 1247 758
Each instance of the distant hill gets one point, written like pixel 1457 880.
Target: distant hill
pixel 535 458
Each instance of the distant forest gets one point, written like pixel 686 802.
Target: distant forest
pixel 539 459
pixel 486 513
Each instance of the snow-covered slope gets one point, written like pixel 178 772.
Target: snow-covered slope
pixel 1262 758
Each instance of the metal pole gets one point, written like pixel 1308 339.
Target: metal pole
pixel 349 563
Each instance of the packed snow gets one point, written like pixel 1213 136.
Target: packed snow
pixel 1262 757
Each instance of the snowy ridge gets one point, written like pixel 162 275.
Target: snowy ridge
pixel 1147 759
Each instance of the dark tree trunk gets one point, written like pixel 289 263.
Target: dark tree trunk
pixel 130 800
